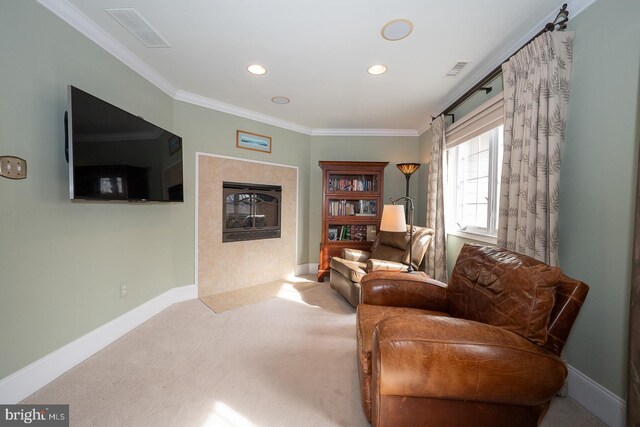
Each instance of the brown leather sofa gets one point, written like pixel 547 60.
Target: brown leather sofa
pixel 389 251
pixel 483 350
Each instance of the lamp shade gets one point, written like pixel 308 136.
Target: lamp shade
pixel 408 168
pixel 393 219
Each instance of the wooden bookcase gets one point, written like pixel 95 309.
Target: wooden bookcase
pixel 351 207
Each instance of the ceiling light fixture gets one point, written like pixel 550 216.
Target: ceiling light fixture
pixel 397 29
pixel 256 69
pixel 280 100
pixel 376 70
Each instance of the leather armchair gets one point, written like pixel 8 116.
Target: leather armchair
pixel 432 354
pixel 390 251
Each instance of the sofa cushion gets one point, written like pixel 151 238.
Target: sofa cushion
pixel 353 270
pixel 504 289
pixel 395 240
pixel 388 253
pixel 390 246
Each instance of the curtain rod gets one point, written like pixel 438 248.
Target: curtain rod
pixel 560 22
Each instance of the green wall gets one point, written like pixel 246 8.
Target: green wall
pixel 479 98
pixel 63 262
pixel 388 149
pixel 63 276
pixel 209 131
pixel 597 193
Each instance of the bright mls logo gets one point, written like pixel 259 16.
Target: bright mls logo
pixel 36 415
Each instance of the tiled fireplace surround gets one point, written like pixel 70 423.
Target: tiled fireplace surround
pixel 233 265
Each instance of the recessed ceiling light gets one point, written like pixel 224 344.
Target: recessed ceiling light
pixel 377 69
pixel 397 29
pixel 280 100
pixel 256 69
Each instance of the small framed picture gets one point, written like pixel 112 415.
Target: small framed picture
pixel 253 141
pixel 333 234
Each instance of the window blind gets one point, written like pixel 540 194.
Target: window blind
pixel 486 117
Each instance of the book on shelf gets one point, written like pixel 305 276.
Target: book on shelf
pixel 350 232
pixel 345 233
pixel 342 183
pixel 352 208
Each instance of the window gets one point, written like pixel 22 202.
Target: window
pixel 474 183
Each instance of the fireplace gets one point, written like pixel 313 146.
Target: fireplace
pixel 250 211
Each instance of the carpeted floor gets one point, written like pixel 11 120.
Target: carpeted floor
pixel 229 300
pixel 286 361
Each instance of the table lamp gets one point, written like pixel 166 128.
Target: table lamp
pixel 393 219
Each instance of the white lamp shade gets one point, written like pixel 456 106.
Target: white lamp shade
pixel 393 219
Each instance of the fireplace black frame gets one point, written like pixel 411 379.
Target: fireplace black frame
pixel 250 226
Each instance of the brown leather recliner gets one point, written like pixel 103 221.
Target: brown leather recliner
pixel 481 351
pixel 389 251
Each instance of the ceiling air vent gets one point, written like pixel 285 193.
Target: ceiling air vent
pixel 133 22
pixel 457 69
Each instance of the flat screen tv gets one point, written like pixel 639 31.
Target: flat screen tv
pixel 116 156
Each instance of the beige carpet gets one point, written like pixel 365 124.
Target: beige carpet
pixel 287 361
pixel 237 298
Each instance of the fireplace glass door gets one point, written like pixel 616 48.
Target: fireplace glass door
pixel 251 211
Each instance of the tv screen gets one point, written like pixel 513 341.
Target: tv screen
pixel 116 156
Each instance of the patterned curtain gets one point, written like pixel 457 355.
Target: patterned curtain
pixel 536 95
pixel 437 253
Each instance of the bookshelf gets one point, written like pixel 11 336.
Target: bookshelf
pixel 351 207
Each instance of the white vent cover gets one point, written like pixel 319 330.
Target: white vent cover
pixel 457 69
pixel 133 22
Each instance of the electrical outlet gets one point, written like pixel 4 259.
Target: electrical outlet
pixel 123 291
pixel 13 167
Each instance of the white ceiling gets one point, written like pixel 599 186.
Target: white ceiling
pixel 317 53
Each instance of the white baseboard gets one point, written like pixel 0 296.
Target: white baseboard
pixel 313 268
pixel 302 269
pixel 598 400
pixel 601 402
pixel 29 379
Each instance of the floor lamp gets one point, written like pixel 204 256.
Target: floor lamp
pixel 393 220
pixel 407 169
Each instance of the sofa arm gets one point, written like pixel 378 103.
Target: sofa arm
pixel 398 289
pixel 447 358
pixel 355 255
pixel 382 265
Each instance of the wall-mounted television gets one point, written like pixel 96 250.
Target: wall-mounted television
pixel 116 156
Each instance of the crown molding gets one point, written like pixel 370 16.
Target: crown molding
pixel 81 22
pixel 213 104
pixel 78 20
pixel 574 7
pixel 364 132
pixel 74 17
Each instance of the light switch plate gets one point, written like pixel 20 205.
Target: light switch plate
pixel 13 167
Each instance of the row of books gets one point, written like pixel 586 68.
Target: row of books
pixel 357 233
pixel 351 184
pixel 352 207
